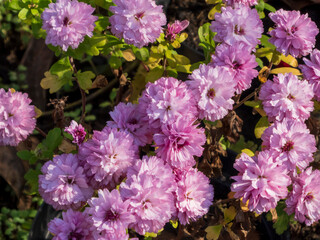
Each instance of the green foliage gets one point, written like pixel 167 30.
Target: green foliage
pixel 283 219
pixel 261 125
pixel 206 41
pixel 85 79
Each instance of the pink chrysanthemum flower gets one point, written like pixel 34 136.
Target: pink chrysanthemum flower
pixel 179 142
pixel 291 142
pixel 213 89
pixel 165 100
pixel 155 167
pixel 237 25
pixel 63 183
pixel 77 131
pixel 107 156
pixel 194 196
pixel 261 181
pixel 128 118
pixel 73 225
pixel 175 28
pixel 311 71
pixel 287 97
pixel 110 214
pixel 294 33
pixel 67 23
pixel 151 204
pixel 139 22
pixel 304 199
pixel 17 117
pixel 239 61
pixel 240 3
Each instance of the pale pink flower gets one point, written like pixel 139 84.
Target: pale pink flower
pixel 212 88
pixel 294 33
pixel 287 97
pixel 67 22
pixel 304 199
pixel 260 181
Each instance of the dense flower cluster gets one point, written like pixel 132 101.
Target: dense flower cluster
pixel 138 22
pixel 294 33
pixel 17 117
pixel 261 181
pixel 67 22
pixel 175 28
pixel 107 156
pixel 239 3
pixel 304 199
pixel 311 71
pixel 212 88
pixel 63 183
pixel 238 59
pixel 287 97
pixel 235 25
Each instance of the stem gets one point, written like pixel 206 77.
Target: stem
pixel 245 99
pixel 83 94
pixel 164 66
pixel 180 232
pixel 41 132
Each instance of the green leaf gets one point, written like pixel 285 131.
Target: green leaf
pixel 53 139
pixel 102 23
pixel 84 79
pixel 269 7
pixel 254 104
pixel 154 74
pixel 283 70
pixel 62 68
pixel 23 13
pixel 141 53
pixel 115 62
pixel 174 223
pixel 264 42
pixel 283 220
pixel 213 232
pixel 103 3
pixel 14 5
pixel 28 156
pixel 214 10
pixel 261 125
pixel 32 177
pixel 52 82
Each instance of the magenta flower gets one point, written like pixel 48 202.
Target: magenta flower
pixel 17 117
pixel 63 183
pixel 294 33
pixel 151 204
pixel 110 214
pixel 261 181
pixel 194 196
pixel 239 61
pixel 213 89
pixel 139 22
pixel 166 100
pixel 237 25
pixel 128 118
pixel 77 131
pixel 107 156
pixel 155 167
pixel 240 3
pixel 67 23
pixel 287 97
pixel 304 199
pixel 73 225
pixel 175 28
pixel 179 142
pixel 291 142
pixel 311 72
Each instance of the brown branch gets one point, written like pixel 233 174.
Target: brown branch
pixel 41 132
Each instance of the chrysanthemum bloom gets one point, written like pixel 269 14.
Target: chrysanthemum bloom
pixel 239 61
pixel 17 117
pixel 151 205
pixel 237 25
pixel 291 142
pixel 155 167
pixel 240 3
pixel 63 183
pixel 179 142
pixel 128 118
pixel 311 71
pixel 304 199
pixel 213 88
pixel 109 213
pixel 139 22
pixel 77 131
pixel 175 28
pixel 67 22
pixel 165 100
pixel 194 196
pixel 287 97
pixel 107 156
pixel 294 33
pixel 73 225
pixel 261 181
